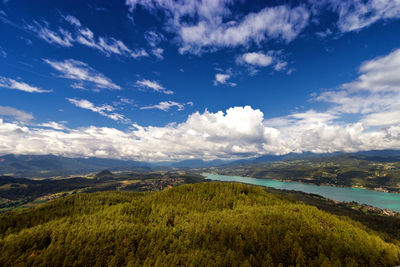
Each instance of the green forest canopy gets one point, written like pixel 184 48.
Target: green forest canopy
pixel 223 224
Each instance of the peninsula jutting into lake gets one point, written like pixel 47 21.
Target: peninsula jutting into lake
pixel 381 200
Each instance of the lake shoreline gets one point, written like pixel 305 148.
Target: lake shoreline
pixel 368 198
pixel 321 184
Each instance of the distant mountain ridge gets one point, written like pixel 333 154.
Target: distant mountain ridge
pixel 376 155
pixel 51 165
pixel 194 163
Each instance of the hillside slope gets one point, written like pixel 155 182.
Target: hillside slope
pixel 221 224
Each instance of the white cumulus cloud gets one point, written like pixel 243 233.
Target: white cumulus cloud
pixel 258 59
pixel 222 78
pixel 236 133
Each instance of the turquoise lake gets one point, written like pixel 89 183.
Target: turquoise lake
pixel 374 198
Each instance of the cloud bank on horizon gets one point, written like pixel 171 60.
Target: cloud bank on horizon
pixel 210 79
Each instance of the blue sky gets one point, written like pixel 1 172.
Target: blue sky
pixel 168 80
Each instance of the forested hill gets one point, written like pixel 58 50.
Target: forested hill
pixel 218 224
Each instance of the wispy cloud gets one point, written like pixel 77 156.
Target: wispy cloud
pixel 376 90
pixel 379 74
pixel 80 34
pixel 204 26
pixel 22 86
pixel 139 53
pixel 72 20
pixel 104 110
pixel 158 53
pixel 281 65
pixel 106 45
pixel 356 15
pixel 167 105
pixel 61 37
pixel 15 113
pixel 200 27
pixel 154 38
pixel 54 125
pixel 82 72
pixel 26 40
pixel 124 101
pixel 3 53
pixel 239 131
pixel 153 85
pixel 361 114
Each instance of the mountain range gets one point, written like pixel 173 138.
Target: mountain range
pixel 52 165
